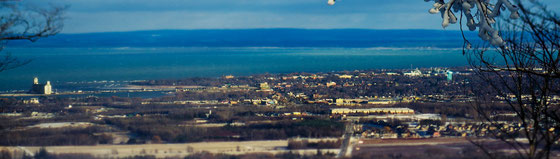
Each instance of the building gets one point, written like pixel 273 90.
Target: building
pixel 359 101
pixel 37 88
pixel 449 76
pixel 344 111
pixel 331 84
pixel 31 101
pixel 264 87
pixel 345 76
pixel 415 72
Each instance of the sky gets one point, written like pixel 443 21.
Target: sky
pixel 85 16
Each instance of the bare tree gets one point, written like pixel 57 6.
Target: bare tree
pixel 524 74
pixel 19 22
pixel 519 64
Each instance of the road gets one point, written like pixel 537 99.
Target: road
pixel 346 149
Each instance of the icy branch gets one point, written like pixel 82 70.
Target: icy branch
pixel 331 2
pixel 482 17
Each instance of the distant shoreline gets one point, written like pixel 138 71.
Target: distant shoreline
pixel 283 37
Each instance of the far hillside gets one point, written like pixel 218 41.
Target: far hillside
pixel 258 38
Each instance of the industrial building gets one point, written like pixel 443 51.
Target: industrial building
pixel 37 88
pixel 344 111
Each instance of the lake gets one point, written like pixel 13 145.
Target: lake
pixel 60 65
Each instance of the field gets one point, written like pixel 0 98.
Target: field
pixel 169 150
pixel 431 148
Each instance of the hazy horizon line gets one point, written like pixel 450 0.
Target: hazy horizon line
pixel 279 28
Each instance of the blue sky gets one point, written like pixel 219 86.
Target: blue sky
pixel 128 15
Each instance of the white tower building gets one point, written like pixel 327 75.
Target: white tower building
pixel 48 88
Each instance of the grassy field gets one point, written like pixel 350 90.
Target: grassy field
pixel 170 150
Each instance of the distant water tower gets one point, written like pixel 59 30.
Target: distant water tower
pixel 449 76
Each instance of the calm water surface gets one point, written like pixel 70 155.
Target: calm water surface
pixel 61 65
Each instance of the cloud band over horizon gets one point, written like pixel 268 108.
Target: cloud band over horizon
pixel 86 16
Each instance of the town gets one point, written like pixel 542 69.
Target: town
pixel 337 110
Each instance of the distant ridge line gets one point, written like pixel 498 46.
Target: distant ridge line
pixel 265 37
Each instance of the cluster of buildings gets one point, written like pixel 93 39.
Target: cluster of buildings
pixel 552 99
pixel 415 130
pixel 438 98
pixel 31 101
pixel 434 71
pixel 358 101
pixel 348 111
pixel 349 101
pixel 41 88
pixel 258 102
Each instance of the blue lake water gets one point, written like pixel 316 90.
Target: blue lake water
pixel 61 65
